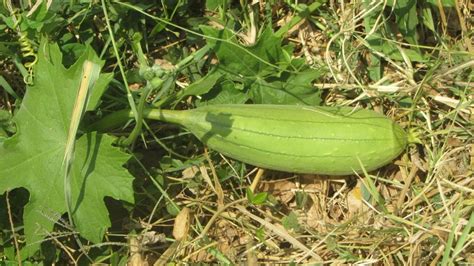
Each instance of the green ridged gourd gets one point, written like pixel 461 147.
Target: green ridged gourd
pixel 299 139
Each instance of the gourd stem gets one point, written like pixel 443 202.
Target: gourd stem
pixel 119 118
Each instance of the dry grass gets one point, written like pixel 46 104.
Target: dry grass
pixel 417 211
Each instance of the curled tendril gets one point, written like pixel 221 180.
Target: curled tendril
pixel 26 47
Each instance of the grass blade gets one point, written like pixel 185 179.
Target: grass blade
pixel 90 74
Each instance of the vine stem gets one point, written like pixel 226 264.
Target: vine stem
pixel 130 99
pixel 119 118
pixel 12 227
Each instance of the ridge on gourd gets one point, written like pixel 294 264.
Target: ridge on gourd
pixel 299 139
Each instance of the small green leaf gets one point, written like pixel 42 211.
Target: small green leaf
pixel 220 257
pixel 98 90
pixel 407 20
pixel 256 199
pixel 290 222
pixel 427 18
pixel 203 85
pixel 301 199
pixel 172 209
pixel 213 4
pixel 260 198
pixel 260 234
pixel 4 117
pixel 5 85
pixel 374 64
pixel 391 50
pixel 331 243
pixel 445 3
pixel 226 91
pixel 250 194
pixel 287 89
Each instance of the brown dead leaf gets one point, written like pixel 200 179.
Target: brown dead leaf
pixel 202 256
pixel 168 254
pixel 217 184
pixel 312 179
pixel 315 214
pixel 164 64
pixel 417 160
pixel 190 172
pixel 355 203
pixel 151 237
pixel 135 258
pixel 454 142
pixel 206 177
pixel 398 176
pixel 337 211
pixel 315 188
pixel 134 86
pixel 228 237
pixel 282 190
pixel 227 231
pixel 472 156
pixel 181 224
pixel 251 254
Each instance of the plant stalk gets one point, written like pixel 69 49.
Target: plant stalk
pixel 118 118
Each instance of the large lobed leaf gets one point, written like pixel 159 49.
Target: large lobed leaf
pixel 264 58
pixel 263 72
pixel 32 158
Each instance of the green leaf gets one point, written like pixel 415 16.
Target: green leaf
pixel 225 92
pixel 304 12
pixel 374 65
pixel 260 234
pixel 263 72
pixel 32 158
pixel 5 85
pixel 390 49
pixel 260 198
pixel 301 198
pixel 427 18
pixel 287 89
pixel 202 85
pixel 213 4
pixel 6 125
pixel 220 257
pixel 290 222
pixel 4 117
pixel 406 17
pixel 99 88
pixel 446 3
pixel 263 58
pixel 407 20
pixel 256 199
